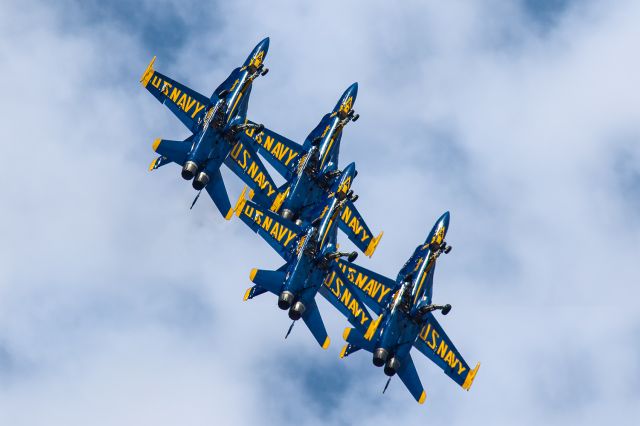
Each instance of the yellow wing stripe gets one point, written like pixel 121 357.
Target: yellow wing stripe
pixel 153 164
pixel 246 294
pixel 156 144
pixel 253 273
pixel 422 397
pixel 344 350
pixel 326 343
pixel 241 202
pixel 277 202
pixel 346 332
pixel 229 214
pixel 471 375
pixel 373 326
pixel 146 76
pixel 373 245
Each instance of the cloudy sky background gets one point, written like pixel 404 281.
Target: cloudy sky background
pixel 118 305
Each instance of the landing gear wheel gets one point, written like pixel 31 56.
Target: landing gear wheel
pixel 446 309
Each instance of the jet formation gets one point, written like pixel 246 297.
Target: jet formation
pixel 300 220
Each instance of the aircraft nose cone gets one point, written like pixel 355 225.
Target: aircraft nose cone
pixel 445 219
pixel 349 170
pixel 351 91
pixel 263 45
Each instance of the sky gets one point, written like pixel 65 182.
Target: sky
pixel 119 305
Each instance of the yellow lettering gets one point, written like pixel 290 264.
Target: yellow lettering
pixel 290 237
pixel 434 337
pixel 450 358
pixel 442 349
pixel 292 155
pixel 267 222
pixel 190 104
pixel 199 108
pixel 268 143
pixel 258 218
pixel 182 101
pixel 174 94
pixel 461 368
pixel 236 151
pixel 346 297
pixel 383 293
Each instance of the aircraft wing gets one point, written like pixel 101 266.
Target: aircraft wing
pixel 338 293
pixel 282 153
pixel 352 224
pixel 434 343
pixel 375 290
pixel 187 104
pixel 245 163
pixel 280 233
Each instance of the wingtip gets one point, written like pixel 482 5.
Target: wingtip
pixel 471 375
pixel 345 333
pixel 373 245
pixel 241 202
pixel 344 350
pixel 247 294
pixel 156 144
pixel 326 343
pixel 148 72
pixel 423 397
pixel 253 273
pixel 229 214
pixel 153 164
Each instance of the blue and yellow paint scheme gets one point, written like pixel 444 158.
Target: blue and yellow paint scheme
pixel 311 169
pixel 405 317
pixel 311 259
pixel 215 123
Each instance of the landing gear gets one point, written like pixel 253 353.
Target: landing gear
pixel 352 256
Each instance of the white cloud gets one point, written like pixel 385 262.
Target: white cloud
pixel 117 304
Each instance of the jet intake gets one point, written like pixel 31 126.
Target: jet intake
pixel 380 357
pixel 200 181
pixel 296 312
pixel 392 366
pixel 189 170
pixel 285 300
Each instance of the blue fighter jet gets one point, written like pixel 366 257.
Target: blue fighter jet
pixel 310 252
pixel 405 317
pixel 216 124
pixel 311 169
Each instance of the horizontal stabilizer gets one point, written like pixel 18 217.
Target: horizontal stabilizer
pixel 355 338
pixel 218 193
pixel 313 320
pixel 172 151
pixel 411 380
pixel 269 280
